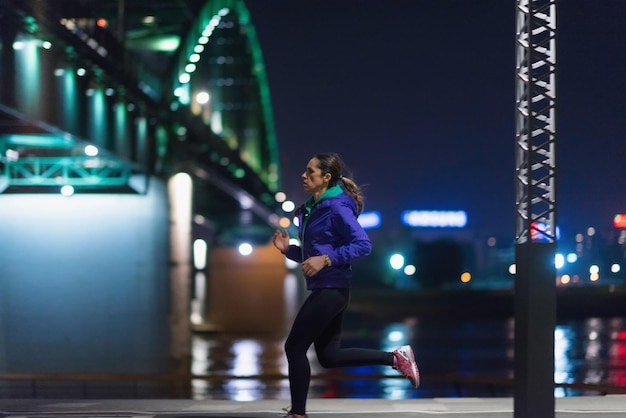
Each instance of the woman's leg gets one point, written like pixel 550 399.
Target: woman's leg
pixel 330 353
pixel 328 343
pixel 317 312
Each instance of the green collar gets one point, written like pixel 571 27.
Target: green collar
pixel 310 203
pixel 330 192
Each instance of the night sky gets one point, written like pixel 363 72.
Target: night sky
pixel 418 97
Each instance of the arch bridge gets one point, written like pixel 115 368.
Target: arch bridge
pixel 101 96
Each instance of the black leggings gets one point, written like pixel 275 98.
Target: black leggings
pixel 319 322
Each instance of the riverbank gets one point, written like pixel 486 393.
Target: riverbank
pixel 571 303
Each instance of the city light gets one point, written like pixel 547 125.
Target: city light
pixel 280 197
pixel 245 249
pixel 559 261
pixel 203 97
pixel 619 221
pixel 290 264
pixel 369 220
pixel 91 150
pixel 148 20
pixel 245 201
pixel 396 261
pixel 409 269
pixel 434 218
pixel 199 254
pixel 67 190
pixel 395 336
pixel 288 206
pixel 180 191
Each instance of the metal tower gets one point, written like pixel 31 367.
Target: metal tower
pixel 535 121
pixel 536 233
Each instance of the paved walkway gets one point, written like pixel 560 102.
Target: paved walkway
pixel 610 406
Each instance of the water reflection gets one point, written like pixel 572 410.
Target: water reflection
pixel 591 351
pixel 395 335
pixel 617 353
pixel 200 363
pixel 246 363
pixel 239 356
pixel 562 364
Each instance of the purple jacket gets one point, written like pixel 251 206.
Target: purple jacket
pixel 331 228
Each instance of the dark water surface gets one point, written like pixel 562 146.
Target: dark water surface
pixel 456 356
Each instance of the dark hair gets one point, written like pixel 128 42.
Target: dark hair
pixel 331 163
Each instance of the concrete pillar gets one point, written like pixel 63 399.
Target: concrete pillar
pixel 247 293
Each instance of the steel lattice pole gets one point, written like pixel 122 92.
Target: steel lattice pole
pixel 535 121
pixel 536 232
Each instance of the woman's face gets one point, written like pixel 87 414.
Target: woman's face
pixel 312 178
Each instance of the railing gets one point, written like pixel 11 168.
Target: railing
pixel 179 386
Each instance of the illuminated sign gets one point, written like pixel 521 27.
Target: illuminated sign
pixel 434 218
pixel 619 221
pixel 369 219
pixel 539 231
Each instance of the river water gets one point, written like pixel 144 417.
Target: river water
pixel 456 357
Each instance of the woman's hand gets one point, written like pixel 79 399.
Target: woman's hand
pixel 311 266
pixel 281 240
